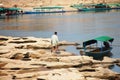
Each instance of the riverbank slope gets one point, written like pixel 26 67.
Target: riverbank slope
pixel 29 4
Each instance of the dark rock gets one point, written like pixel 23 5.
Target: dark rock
pixel 3 39
pixel 37 47
pixel 13 77
pixel 40 79
pixel 39 64
pixel 26 59
pixel 19 42
pixel 15 68
pixel 19 47
pixel 87 70
pixel 26 55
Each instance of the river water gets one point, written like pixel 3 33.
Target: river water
pixel 71 26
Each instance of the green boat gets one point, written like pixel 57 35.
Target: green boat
pixel 96 7
pixel 114 5
pixel 10 11
pixel 98 52
pixel 91 7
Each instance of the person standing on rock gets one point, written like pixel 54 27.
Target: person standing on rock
pixel 54 42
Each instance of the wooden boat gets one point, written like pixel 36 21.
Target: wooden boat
pixel 46 9
pixel 98 52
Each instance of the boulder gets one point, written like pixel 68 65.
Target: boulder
pixel 108 60
pixel 17 56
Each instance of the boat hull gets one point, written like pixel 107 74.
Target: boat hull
pixel 99 54
pixel 34 12
pixel 93 9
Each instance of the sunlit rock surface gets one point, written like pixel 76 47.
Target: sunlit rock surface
pixel 30 58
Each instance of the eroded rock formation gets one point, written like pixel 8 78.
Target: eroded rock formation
pixel 30 58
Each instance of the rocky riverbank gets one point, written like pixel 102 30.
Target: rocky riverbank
pixel 28 5
pixel 30 58
pixel 38 3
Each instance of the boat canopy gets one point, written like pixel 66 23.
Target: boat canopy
pixel 89 42
pixel 101 38
pixel 77 6
pixel 101 4
pixel 114 4
pixel 1 9
pixel 104 38
pixel 14 9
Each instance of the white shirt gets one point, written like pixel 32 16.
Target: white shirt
pixel 54 40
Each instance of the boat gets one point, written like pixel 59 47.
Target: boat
pixel 98 52
pixel 114 5
pixel 46 9
pixel 95 7
pixel 92 7
pixel 10 11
